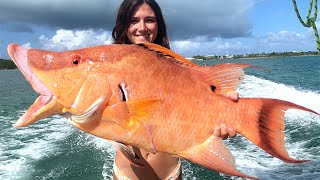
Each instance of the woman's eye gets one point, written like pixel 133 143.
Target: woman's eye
pixel 134 21
pixel 150 21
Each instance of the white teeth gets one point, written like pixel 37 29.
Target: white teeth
pixel 143 37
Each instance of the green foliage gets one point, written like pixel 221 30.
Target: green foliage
pixel 7 64
pixel 199 57
pixel 258 55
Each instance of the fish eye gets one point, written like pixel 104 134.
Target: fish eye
pixel 75 61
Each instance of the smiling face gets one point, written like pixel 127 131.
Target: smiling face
pixel 143 25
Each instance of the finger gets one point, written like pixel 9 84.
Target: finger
pixel 232 132
pixel 217 131
pixel 233 95
pixel 224 132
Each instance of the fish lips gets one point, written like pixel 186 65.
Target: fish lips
pixel 46 104
pixel 19 55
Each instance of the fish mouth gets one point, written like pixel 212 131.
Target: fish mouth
pixel 46 104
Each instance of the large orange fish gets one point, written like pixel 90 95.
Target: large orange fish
pixel 152 98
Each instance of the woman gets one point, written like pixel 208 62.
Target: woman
pixel 141 21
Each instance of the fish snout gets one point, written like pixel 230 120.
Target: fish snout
pixel 17 52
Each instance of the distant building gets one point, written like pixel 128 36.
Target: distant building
pixel 190 58
pixel 193 59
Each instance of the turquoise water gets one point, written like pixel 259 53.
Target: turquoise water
pixel 52 149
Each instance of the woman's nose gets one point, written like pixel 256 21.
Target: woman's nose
pixel 142 26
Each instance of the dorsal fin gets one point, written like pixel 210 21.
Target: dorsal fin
pixel 168 54
pixel 222 78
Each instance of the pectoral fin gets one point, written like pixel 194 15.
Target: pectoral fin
pixel 130 114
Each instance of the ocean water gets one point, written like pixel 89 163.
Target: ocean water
pixel 52 149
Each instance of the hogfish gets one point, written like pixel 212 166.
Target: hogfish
pixel 152 98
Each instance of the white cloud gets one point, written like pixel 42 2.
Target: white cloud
pixel 288 41
pixel 185 44
pixel 74 39
pixel 277 41
pixel 27 45
pixel 273 42
pixel 68 40
pixel 283 37
pixel 218 46
pixel 232 46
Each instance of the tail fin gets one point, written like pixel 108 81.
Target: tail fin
pixel 264 124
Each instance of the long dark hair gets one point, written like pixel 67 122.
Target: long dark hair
pixel 119 32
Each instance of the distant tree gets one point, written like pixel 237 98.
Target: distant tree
pixel 7 64
pixel 199 57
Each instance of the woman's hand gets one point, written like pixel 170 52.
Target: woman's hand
pixel 222 130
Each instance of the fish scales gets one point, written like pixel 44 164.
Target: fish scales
pixel 173 115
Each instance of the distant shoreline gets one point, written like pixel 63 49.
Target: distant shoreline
pixel 249 58
pixel 276 57
pixel 9 64
pixel 255 56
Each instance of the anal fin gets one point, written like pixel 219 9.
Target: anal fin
pixel 213 154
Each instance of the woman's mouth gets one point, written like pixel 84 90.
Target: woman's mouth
pixel 143 37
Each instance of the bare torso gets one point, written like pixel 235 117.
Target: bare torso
pixel 156 166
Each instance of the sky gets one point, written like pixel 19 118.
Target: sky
pixel 204 27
